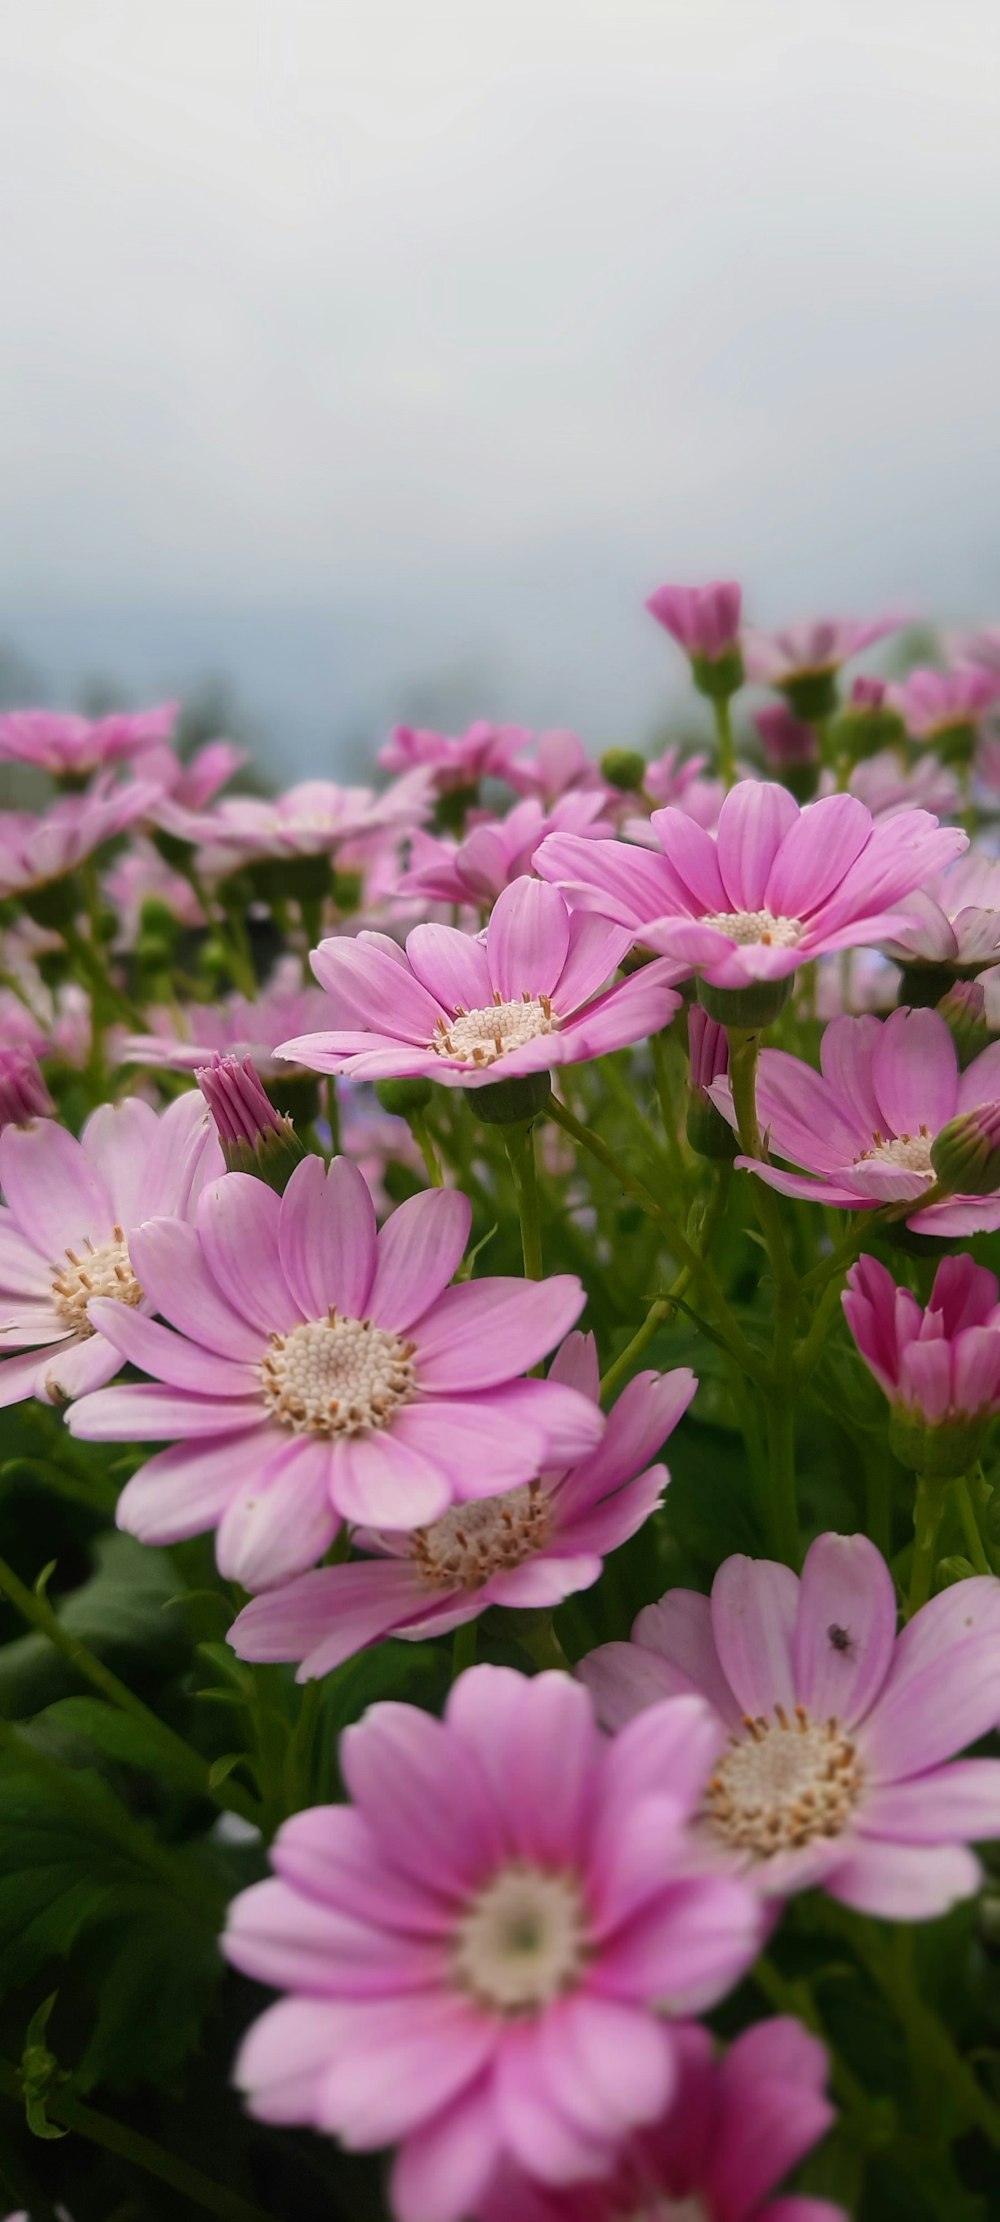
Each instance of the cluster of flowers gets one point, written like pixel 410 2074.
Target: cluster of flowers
pixel 494 1953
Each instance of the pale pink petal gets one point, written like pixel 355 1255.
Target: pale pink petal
pixel 168 1357
pixel 679 1630
pixel 576 1364
pixel 419 1251
pixel 118 1139
pixel 55 1195
pixel 638 1425
pixel 596 949
pixel 427 1801
pixel 915 1072
pixel 754 1607
pixel 280 1520
pixel 816 852
pixel 185 1490
pixel 378 1481
pixel 757 823
pixel 527 940
pixel 664 1752
pixel 326 1238
pixel 482 1446
pixel 846 1053
pixel 297 1943
pixel 623 1678
pixel 145 1412
pixel 693 863
pixel 609 2067
pixel 238 1220
pixel 635 1008
pixel 329 1853
pixel 687 1949
pixel 371 987
pixel 482 1332
pixel 544 2139
pixel 846 1592
pixel 905 1882
pixel 406 2060
pixel 77 1367
pixel 170 1263
pixel 958 1801
pixel 23 1269
pixel 542 1581
pixel 285 2055
pixel 772 2110
pixel 610 1523
pixel 616 879
pixel 442 2171
pixel 452 966
pixel 326 1616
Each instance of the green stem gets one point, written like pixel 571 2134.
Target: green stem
pixel 724 735
pixel 927 1511
pixel 624 1365
pixel 519 1143
pixel 38 1613
pixel 970 1525
pixel 139 2152
pixel 425 1143
pixel 463 1648
pixel 783 1503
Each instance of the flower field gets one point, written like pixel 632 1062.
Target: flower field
pixel 499 1484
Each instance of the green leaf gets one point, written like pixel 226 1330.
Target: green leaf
pixel 116 1734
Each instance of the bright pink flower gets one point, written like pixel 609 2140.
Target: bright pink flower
pixel 184 1038
pixel 865 1124
pixel 485 751
pixel 67 1229
pixel 23 1093
pixel 322 1372
pixel 554 765
pixel 316 818
pixel 954 917
pixel 819 645
pixel 939 1366
pixel 704 620
pixel 774 887
pixel 935 702
pixel 482 1951
pixel 530 1546
pixel 734 2129
pixel 708 1051
pixel 523 996
pixel 496 851
pixel 66 745
pixel 242 1112
pixel 35 850
pixel 839 1767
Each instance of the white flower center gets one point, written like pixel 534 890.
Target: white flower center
pixel 747 926
pixel 480 1037
pixel 337 1376
pixel 105 1269
pixel 522 1942
pixel 910 1151
pixel 783 1783
pixel 473 1541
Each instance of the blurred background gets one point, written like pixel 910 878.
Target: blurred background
pixel 367 360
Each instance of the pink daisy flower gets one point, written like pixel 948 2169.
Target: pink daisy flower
pixel 520 998
pixel 315 818
pixel 476 870
pixel 554 765
pixel 839 1765
pixel 182 1039
pixel 68 746
pixel 314 1370
pixel 821 644
pixel 886 787
pixel 66 1232
pixel 774 887
pixel 703 620
pixel 35 850
pixel 955 917
pixel 482 1950
pixel 865 1125
pixel 196 780
pixel 530 1546
pixel 485 751
pixel 734 2129
pixel 936 704
pixel 939 1367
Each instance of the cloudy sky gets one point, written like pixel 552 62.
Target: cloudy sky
pixel 369 348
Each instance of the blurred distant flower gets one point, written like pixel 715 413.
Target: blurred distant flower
pixel 197 781
pixel 946 707
pixel 803 651
pixel 23 1093
pixel 140 876
pixel 704 620
pixel 954 917
pixel 37 850
pixel 69 746
pixel 497 850
pixel 786 740
pixel 552 765
pixel 315 818
pixel 485 751
pixel 885 786
pixel 939 1367
pixel 184 1038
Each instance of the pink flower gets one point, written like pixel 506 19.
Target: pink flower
pixel 839 1765
pixel 67 1229
pixel 198 779
pixel 68 746
pixel 553 766
pixel 184 1038
pixel 482 1950
pixel 530 1546
pixel 321 1372
pixel 316 818
pixel 23 1093
pixel 955 917
pixel 787 741
pixel 704 620
pixel 497 850
pixel 936 702
pixel 523 996
pixel 774 887
pixel 819 645
pixel 886 788
pixel 485 751
pixel 941 1366
pixel 864 1126
pixel 35 850
pixel 733 2130
pixel 677 779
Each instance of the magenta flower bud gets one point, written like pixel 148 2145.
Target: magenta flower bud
pixel 964 1011
pixel 708 1047
pixel 705 622
pixel 966 1154
pixel 867 693
pixel 23 1093
pixel 791 749
pixel 255 1137
pixel 868 722
pixel 940 1368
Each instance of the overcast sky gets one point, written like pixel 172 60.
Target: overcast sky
pixel 360 339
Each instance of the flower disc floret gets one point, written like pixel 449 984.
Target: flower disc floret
pixel 337 1376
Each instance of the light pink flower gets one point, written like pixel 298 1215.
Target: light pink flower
pixel 955 916
pixel 839 1769
pixel 786 740
pixel 482 1950
pixel 60 742
pixel 936 702
pixel 140 876
pixel 676 778
pixel 775 886
pixel 23 1093
pixel 980 646
pixel 67 1228
pixel 196 780
pixel 704 620
pixel 496 851
pixel 554 765
pixel 485 751
pixel 530 1546
pixel 940 1366
pixel 734 2129
pixel 864 1125
pixel 820 644
pixel 886 787
pixel 520 998
pixel 316 818
pixel 322 1372
pixel 184 1038
pixel 35 850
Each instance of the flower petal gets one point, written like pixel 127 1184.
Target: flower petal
pixel 846 1592
pixel 754 1607
pixel 326 1238
pixel 527 940
pixel 419 1251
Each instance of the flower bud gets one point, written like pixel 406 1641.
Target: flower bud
pixel 23 1093
pixel 623 768
pixel 512 1102
pixel 940 1449
pixel 791 750
pixel 964 1012
pixel 811 694
pixel 867 723
pixel 966 1153
pixel 751 1007
pixel 255 1137
pixel 404 1099
pixel 708 1133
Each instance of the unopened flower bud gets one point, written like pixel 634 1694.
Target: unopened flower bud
pixel 623 768
pixel 512 1102
pixel 23 1093
pixel 404 1099
pixel 964 1011
pixel 708 1044
pixel 791 750
pixel 966 1153
pixel 255 1137
pixel 867 723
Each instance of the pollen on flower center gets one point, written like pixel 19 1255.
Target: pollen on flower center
pixel 337 1376
pixel 473 1541
pixel 746 926
pixel 480 1037
pixel 783 1783
pixel 522 1941
pixel 105 1269
pixel 910 1151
